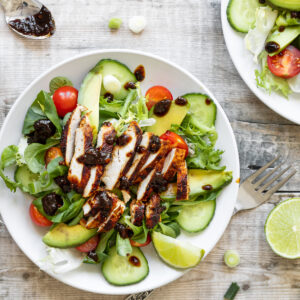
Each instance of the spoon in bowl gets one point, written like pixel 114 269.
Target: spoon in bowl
pixel 29 18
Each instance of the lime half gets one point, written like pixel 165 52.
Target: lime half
pixel 282 228
pixel 178 254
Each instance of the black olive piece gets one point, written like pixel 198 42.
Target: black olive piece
pixel 51 203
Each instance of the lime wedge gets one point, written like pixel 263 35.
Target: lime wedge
pixel 282 229
pixel 177 254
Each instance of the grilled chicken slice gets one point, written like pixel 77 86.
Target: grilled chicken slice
pixel 67 143
pixel 183 188
pixel 105 144
pixel 103 210
pixel 122 155
pixel 141 155
pixel 175 157
pixel 126 196
pixel 137 212
pixel 78 173
pixel 145 187
pixel 153 211
pixel 153 160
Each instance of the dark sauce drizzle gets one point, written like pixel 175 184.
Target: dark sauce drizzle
pixel 207 187
pixel 140 73
pixel 129 85
pixel 181 101
pixel 162 107
pixel 134 261
pixel 272 47
pixel 39 24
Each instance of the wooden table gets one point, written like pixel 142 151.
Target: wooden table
pixel 189 33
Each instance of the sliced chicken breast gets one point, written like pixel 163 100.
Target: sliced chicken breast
pixel 126 196
pixel 137 212
pixel 103 210
pixel 153 160
pixel 78 173
pixel 122 155
pixel 141 155
pixel 153 211
pixel 67 143
pixel 145 188
pixel 175 157
pixel 183 188
pixel 105 144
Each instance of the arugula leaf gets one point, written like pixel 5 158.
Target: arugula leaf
pixel 8 156
pixel 268 81
pixel 58 82
pixel 43 107
pixel 142 236
pixel 77 219
pixel 34 155
pixel 123 246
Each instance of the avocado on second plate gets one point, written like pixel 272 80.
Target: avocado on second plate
pixel 288 4
pixel 64 236
pixel 200 182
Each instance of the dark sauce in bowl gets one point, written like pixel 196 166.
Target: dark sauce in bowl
pixel 39 24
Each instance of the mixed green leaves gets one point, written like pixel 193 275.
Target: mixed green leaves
pixel 58 82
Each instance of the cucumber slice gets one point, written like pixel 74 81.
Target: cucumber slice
pixel 24 176
pixel 117 69
pixel 241 14
pixel 118 270
pixel 203 109
pixel 195 218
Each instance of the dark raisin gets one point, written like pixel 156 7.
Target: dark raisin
pixel 155 144
pixel 140 73
pixel 63 183
pixel 272 47
pixel 51 203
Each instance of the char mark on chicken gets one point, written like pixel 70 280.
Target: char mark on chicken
pixel 67 143
pixel 173 159
pixel 183 188
pixel 153 211
pixel 137 212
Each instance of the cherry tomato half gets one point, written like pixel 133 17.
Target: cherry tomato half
pixel 285 64
pixel 90 245
pixel 156 94
pixel 51 154
pixel 176 141
pixel 136 244
pixel 65 100
pixel 37 218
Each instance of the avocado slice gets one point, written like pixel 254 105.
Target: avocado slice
pixel 89 95
pixel 284 38
pixel 64 236
pixel 175 115
pixel 198 179
pixel 288 4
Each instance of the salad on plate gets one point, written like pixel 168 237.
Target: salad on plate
pixel 110 170
pixel 272 31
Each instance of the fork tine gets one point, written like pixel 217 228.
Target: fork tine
pixel 273 179
pixel 260 181
pixel 279 185
pixel 262 169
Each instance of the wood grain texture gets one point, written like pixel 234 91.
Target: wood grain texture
pixel 188 33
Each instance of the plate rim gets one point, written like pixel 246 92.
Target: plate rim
pixel 254 89
pixel 182 70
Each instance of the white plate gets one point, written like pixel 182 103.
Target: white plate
pixel 14 207
pixel 243 61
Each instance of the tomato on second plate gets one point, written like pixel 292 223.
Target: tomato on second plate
pixel 38 218
pixel 136 244
pixel 51 154
pixel 65 100
pixel 156 94
pixel 176 141
pixel 90 245
pixel 285 64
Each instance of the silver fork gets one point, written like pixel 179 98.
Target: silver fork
pixel 252 193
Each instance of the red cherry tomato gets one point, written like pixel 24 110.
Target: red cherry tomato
pixel 65 100
pixel 156 94
pixel 136 244
pixel 285 64
pixel 176 141
pixel 38 218
pixel 90 245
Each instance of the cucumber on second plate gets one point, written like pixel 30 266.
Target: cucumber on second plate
pixel 203 109
pixel 125 270
pixel 241 14
pixel 195 218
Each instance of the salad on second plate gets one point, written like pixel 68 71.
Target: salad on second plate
pixel 273 36
pixel 111 170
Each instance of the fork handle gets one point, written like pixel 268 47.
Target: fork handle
pixel 140 296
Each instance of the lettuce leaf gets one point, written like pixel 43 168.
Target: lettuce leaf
pixel 268 81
